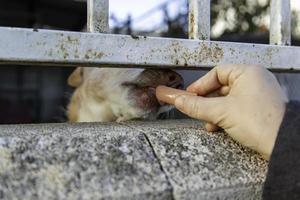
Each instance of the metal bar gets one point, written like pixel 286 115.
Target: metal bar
pixel 199 19
pixel 26 46
pixel 98 15
pixel 280 24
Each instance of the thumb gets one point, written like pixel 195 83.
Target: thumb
pixel 203 108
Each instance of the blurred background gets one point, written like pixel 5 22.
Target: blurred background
pixel 40 94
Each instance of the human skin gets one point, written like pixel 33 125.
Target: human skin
pixel 250 104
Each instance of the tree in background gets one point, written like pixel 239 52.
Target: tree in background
pixel 239 16
pixel 228 17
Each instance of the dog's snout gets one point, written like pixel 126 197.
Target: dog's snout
pixel 155 78
pixel 175 80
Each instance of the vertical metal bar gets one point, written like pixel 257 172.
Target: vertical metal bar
pixel 98 15
pixel 280 24
pixel 199 19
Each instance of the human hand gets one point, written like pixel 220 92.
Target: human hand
pixel 250 104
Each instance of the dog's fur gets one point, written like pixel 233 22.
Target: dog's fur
pixel 111 94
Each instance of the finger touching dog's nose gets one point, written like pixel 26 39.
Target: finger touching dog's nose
pixel 175 80
pixel 168 95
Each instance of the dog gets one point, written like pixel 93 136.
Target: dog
pixel 118 94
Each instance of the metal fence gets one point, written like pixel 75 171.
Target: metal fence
pixel 98 48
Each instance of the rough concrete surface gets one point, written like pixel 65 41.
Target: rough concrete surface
pixel 202 165
pixel 134 160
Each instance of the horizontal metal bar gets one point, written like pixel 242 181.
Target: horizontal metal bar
pixel 280 23
pixel 199 19
pixel 26 46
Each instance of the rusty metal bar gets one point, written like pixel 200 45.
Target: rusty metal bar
pixel 98 16
pixel 199 19
pixel 27 46
pixel 280 23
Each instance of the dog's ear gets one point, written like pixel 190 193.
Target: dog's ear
pixel 76 78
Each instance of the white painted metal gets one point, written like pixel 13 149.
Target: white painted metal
pixel 98 16
pixel 280 23
pixel 280 34
pixel 22 46
pixel 199 19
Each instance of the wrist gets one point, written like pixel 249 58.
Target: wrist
pixel 271 132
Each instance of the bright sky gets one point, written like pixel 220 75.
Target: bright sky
pixel 122 8
pixel 295 4
pixel 136 8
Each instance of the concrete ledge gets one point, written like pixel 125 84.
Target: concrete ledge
pixel 173 159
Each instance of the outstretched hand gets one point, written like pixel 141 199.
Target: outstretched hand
pixel 249 106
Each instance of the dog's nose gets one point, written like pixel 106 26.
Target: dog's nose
pixel 175 80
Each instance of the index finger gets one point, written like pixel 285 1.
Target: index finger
pixel 169 95
pixel 222 75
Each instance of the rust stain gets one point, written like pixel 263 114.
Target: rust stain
pixel 135 37
pixel 76 53
pixel 192 26
pixel 62 50
pixel 65 47
pixel 271 51
pixel 100 55
pixel 91 54
pixel 232 51
pixel 270 54
pixel 212 53
pixel 203 37
pixel 72 40
pixel 181 55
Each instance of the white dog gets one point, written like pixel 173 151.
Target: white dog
pixel 115 94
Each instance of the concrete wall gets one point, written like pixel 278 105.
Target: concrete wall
pixel 134 160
